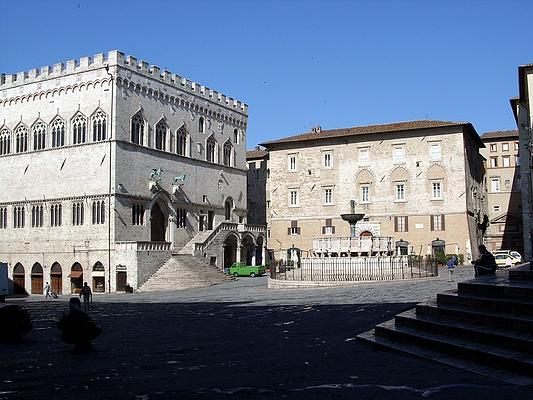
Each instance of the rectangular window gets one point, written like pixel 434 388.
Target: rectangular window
pixel 137 214
pixel 181 218
pixel 496 208
pixel 516 146
pixel 493 147
pixel 293 229
pixel 328 229
pixel 293 198
pixel 3 217
pixel 437 222
pixel 494 162
pixel 436 190
pixel 401 224
pixel 328 196
pixel 505 146
pixel 56 215
pixel 327 160
pixel 434 151
pixel 398 154
pixel 292 162
pixel 506 161
pixel 495 184
pixel 365 194
pixel 400 191
pixel 77 213
pixel 364 156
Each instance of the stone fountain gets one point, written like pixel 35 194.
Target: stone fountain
pixel 352 218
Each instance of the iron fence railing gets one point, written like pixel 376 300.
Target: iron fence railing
pixel 332 269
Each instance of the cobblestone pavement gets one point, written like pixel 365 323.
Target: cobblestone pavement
pixel 238 340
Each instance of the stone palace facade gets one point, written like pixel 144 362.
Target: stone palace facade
pixel 419 184
pixel 109 166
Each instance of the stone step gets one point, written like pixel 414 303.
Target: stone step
pixel 498 288
pixel 519 341
pixel 521 275
pixel 446 359
pixel 183 272
pixel 512 305
pixel 497 319
pixel 507 359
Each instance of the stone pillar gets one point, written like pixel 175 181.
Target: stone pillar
pixel 263 255
pixel 172 230
pixel 238 255
pixel 253 255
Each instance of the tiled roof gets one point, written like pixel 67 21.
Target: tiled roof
pixel 499 135
pixel 369 129
pixel 255 154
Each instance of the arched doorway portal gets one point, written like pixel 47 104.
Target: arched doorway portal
pixel 248 249
pixel 76 278
pixel 19 279
pixel 230 250
pixel 98 277
pixel 37 279
pixel 228 207
pixel 158 224
pixel 56 278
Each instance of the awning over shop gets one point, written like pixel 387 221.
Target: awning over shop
pixel 76 274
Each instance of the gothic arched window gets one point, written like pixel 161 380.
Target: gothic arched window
pixel 5 142
pixel 236 136
pixel 201 125
pixel 210 149
pixel 160 135
pixel 57 129
pixel 79 129
pixel 99 119
pixel 181 141
pixel 137 128
pixel 21 139
pixel 39 136
pixel 227 152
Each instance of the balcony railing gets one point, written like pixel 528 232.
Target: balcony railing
pixel 361 244
pixel 144 246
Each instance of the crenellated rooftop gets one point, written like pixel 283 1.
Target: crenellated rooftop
pixel 118 58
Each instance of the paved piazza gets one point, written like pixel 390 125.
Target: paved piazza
pixel 238 340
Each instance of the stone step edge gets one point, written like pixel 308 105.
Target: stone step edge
pixel 499 300
pixel 462 288
pixel 494 352
pixel 459 325
pixel 473 312
pixel 415 351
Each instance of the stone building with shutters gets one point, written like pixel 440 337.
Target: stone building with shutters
pixel 111 167
pixel 419 184
pixel 503 191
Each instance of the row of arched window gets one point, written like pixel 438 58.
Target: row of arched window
pixel 56 215
pixel 42 136
pixel 182 145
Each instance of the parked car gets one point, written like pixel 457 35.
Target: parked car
pixel 241 269
pixel 501 260
pixel 513 253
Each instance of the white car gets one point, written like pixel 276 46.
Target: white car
pixel 517 258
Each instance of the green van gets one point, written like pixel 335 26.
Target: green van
pixel 241 269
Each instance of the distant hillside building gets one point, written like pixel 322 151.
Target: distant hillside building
pixel 420 182
pixel 503 190
pixel 110 166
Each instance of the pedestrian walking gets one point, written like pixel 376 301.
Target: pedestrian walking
pixel 47 290
pixel 451 264
pixel 87 296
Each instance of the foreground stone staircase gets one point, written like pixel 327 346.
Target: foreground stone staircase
pixel 485 326
pixel 183 271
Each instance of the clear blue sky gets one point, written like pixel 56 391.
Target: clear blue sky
pixel 301 63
